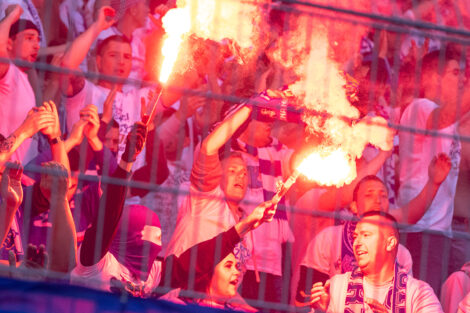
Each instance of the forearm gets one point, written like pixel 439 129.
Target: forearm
pixel 414 210
pixel 225 131
pixel 44 51
pixel 99 236
pixel 95 144
pixel 62 251
pixel 79 48
pixel 7 214
pixel 59 154
pixel 10 144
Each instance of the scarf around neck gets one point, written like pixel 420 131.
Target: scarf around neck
pixel 395 301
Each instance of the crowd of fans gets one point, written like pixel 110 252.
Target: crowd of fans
pixel 96 191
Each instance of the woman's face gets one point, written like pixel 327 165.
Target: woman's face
pixel 226 279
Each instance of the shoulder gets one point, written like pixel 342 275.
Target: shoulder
pixel 418 108
pixel 421 296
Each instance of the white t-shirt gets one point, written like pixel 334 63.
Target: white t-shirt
pixel 126 111
pixel 416 153
pixel 202 216
pixel 99 276
pixel 419 295
pixel 17 98
pixel 324 252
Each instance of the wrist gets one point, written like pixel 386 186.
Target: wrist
pixel 95 144
pixel 53 140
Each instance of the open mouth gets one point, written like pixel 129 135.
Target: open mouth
pixel 360 252
pixel 234 282
pixel 238 186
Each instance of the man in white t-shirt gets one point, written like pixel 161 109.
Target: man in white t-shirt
pixel 19 39
pixel 331 251
pixel 377 284
pixel 438 110
pixel 114 58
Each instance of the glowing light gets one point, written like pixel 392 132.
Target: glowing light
pixel 177 24
pixel 329 167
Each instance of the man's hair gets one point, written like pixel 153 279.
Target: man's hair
pixel 105 128
pixel 21 25
pixel 232 154
pixel 393 221
pixel 364 180
pixel 436 61
pixel 103 43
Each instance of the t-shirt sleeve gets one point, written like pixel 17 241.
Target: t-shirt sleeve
pixel 423 299
pixel 206 172
pixel 318 255
pixel 74 104
pixel 417 113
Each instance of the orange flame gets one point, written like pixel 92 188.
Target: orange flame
pixel 320 88
pixel 329 167
pixel 177 24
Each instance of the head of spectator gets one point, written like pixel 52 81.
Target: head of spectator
pixel 109 135
pixel 376 239
pixel 370 194
pixel 441 76
pixel 131 14
pixel 23 41
pixel 114 57
pixel 234 177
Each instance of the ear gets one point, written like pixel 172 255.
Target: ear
pixel 98 62
pixel 353 207
pixel 9 45
pixel 392 243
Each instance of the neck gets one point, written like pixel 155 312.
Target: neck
pixel 384 273
pixel 109 85
pixel 234 205
pixel 126 26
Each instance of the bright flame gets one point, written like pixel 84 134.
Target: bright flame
pixel 177 24
pixel 320 88
pixel 329 167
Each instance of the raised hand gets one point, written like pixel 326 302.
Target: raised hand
pixel 263 213
pixel 36 257
pixel 54 180
pixel 439 168
pixel 135 142
pixel 320 295
pixel 76 134
pixel 90 114
pixel 13 12
pixel 52 131
pixel 106 17
pixel 11 190
pixel 36 120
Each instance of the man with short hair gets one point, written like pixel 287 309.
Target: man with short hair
pixel 114 59
pixel 377 284
pixel 439 110
pixel 331 251
pixel 19 39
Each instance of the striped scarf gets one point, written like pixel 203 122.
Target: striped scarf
pixel 267 172
pixel 348 261
pixel 395 301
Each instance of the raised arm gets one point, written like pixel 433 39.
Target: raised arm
pixel 99 236
pixel 34 121
pixel 223 132
pixel 79 48
pixel 206 172
pixel 5 25
pixel 62 247
pixel 414 210
pixel 12 195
